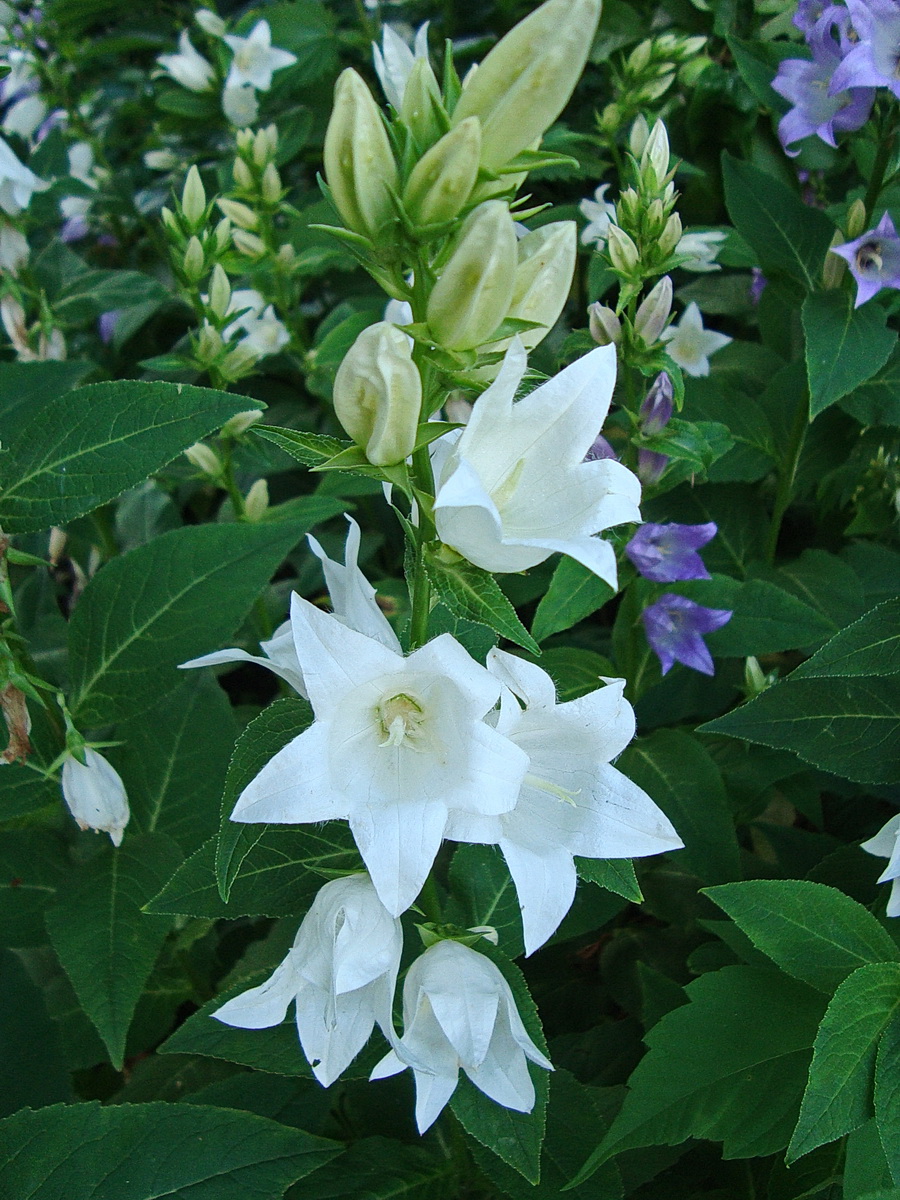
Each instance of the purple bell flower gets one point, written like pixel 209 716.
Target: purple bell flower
pixel 668 553
pixel 872 61
pixel 675 627
pixel 874 259
pixel 807 14
pixel 651 466
pixel 106 325
pixel 819 107
pixel 656 409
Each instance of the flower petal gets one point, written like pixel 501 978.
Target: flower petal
pixel 545 884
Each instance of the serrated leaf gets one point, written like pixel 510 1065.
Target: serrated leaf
pixel 838 1097
pixel 483 888
pixel 86 447
pixel 34 1071
pixel 152 1151
pixel 379 1168
pixel 35 384
pixel 574 593
pixel 729 1066
pixel 106 944
pixel 887 1094
pixel 845 346
pixel 765 618
pixel 614 874
pixel 815 933
pixel 277 725
pixel 877 402
pixel 33 865
pixel 181 595
pixel 475 595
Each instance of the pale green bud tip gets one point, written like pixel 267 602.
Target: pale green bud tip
pixel 241 422
pixel 653 314
pixel 243 176
pixel 856 219
pixel 210 22
pixel 256 501
pixel 378 394
pixel 359 163
pixel 193 199
pixel 208 345
pixel 655 156
pixel 637 139
pixel 219 291
pixel 543 277
pixel 605 326
pixel 442 180
pixel 222 234
pixel 204 459
pixel 623 253
pixel 239 214
pixel 271 184
pixel 194 260
pixel 248 243
pixel 670 236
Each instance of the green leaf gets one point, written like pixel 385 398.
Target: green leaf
pixel 84 448
pixel 181 595
pixel 838 1097
pixel 685 782
pixel 278 878
pixel 483 889
pixel 475 595
pixel 151 1152
pixel 788 236
pixel 513 1136
pixel 574 593
pixel 614 874
pixel 34 1071
pixel 106 944
pixel 845 346
pixel 277 725
pixel 173 761
pixel 766 618
pixel 38 383
pixel 729 1066
pixel 840 710
pixel 887 1094
pixel 575 671
pixel 33 865
pixel 877 402
pixel 379 1168
pixel 815 933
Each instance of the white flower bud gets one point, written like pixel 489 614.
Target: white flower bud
pixel 637 138
pixel 653 314
pixel 219 291
pixel 670 236
pixel 359 161
pixel 640 56
pixel 222 235
pixel 210 22
pixel 238 362
pixel 256 501
pixel 95 795
pixel 442 180
pixel 655 158
pixel 241 422
pixel 270 187
pixel 208 345
pixel 239 214
pixel 243 176
pixel 378 394
pixel 606 328
pixel 161 160
pixel 623 253
pixel 193 199
pixel 194 261
pixel 204 459
pixel 543 278
pixel 248 243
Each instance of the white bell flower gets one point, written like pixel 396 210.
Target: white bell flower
pixel 886 844
pixel 459 1011
pixel 255 58
pixel 514 488
pixel 598 213
pixel 396 745
pixel 690 345
pixel 353 599
pixel 95 794
pixel 573 802
pixel 240 106
pixel 394 61
pixel 17 182
pixel 703 248
pixel 341 971
pixel 188 67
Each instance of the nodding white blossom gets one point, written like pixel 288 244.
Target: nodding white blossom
pixel 75 209
pixel 397 743
pixel 24 117
pixel 188 67
pixel 210 22
pixel 394 60
pixel 459 1011
pixel 353 600
pixel 703 248
pixel 255 58
pixel 14 249
pixel 886 844
pixel 690 345
pixel 95 795
pixel 513 488
pixel 598 213
pixel 17 183
pixel 240 105
pixel 341 972
pixel 263 332
pixel 573 801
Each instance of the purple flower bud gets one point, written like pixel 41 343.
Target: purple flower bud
pixel 106 325
pixel 651 466
pixel 600 449
pixel 874 259
pixel 668 553
pixel 757 285
pixel 675 628
pixel 657 407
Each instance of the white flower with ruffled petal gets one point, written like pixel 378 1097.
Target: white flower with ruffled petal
pixel 690 345
pixel 341 972
pixel 702 248
pixel 573 802
pixel 886 844
pixel 514 488
pixel 255 58
pixel 459 1011
pixel 263 332
pixel 394 61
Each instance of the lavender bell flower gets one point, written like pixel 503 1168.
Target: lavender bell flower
pixel 819 107
pixel 675 627
pixel 807 14
pixel 106 325
pixel 656 408
pixel 872 61
pixel 668 553
pixel 874 259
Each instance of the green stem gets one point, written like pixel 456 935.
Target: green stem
pixel 788 475
pixel 230 485
pixel 879 166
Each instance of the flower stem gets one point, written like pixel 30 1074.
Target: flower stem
pixel 788 475
pixel 879 166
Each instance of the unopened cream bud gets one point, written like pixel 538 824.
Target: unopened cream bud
pixel 637 138
pixel 623 253
pixel 655 158
pixel 270 187
pixel 378 394
pixel 248 243
pixel 219 291
pixel 856 219
pixel 238 362
pixel 442 180
pixel 270 133
pixel 222 235
pixel 95 795
pixel 359 163
pixel 543 277
pixel 241 422
pixel 629 207
pixel 210 22
pixel 653 314
pixel 208 345
pixel 474 291
pixel 525 82
pixel 170 221
pixel 261 148
pixel 286 254
pixel 161 160
pixel 194 261
pixel 243 176
pixel 421 104
pixel 605 326
pixel 239 214
pixel 639 58
pixel 670 236
pixel 256 501
pixel 204 459
pixel 193 199
pixel 755 679
pixel 244 140
pixel 656 88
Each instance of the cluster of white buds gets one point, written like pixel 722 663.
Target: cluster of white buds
pixel 644 76
pixel 256 199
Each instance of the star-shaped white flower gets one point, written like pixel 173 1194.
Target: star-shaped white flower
pixel 703 248
pixel 263 332
pixel 188 67
pixel 514 488
pixel 255 58
pixel 397 744
pixel 572 802
pixel 886 844
pixel 394 61
pixel 598 213
pixel 690 345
